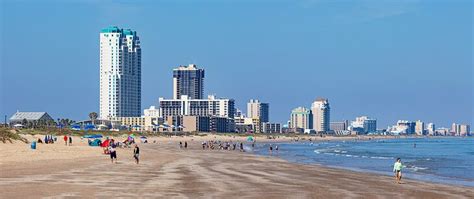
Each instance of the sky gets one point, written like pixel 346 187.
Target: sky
pixel 390 60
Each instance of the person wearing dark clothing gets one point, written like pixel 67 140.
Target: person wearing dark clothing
pixel 136 153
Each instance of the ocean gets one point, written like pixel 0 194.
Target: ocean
pixel 447 160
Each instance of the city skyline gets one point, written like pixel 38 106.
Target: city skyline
pixel 75 96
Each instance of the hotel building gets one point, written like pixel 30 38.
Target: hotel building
pixel 189 81
pixel 321 114
pixel 211 106
pixel 120 73
pixel 301 118
pixel 257 109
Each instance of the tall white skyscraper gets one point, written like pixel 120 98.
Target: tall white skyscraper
pixel 120 73
pixel 321 114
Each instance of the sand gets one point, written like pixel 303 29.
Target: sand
pixel 165 171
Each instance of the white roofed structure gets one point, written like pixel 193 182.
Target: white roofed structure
pixel 19 117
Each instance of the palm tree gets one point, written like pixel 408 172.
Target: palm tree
pixel 93 116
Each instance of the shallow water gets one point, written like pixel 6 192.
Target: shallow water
pixel 442 160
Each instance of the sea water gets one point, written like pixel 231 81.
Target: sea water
pixel 447 160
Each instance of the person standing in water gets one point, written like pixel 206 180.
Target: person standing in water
pixel 397 169
pixel 136 153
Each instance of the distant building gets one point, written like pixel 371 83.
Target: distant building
pixel 464 130
pixel 189 123
pixel 238 113
pixel 152 112
pixel 257 109
pixel 120 73
pixel 222 125
pixel 442 131
pixel 339 126
pixel 455 129
pixel 431 129
pixel 364 125
pixel 321 114
pixel 254 123
pixel 189 81
pixel 31 119
pixel 271 127
pixel 407 125
pixel 211 106
pixel 131 123
pixel 301 118
pixel 419 127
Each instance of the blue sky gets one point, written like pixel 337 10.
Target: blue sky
pixel 407 59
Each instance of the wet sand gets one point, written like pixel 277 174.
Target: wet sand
pixel 166 171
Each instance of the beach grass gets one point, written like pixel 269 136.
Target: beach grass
pixel 9 135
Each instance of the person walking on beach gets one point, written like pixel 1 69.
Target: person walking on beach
pixel 185 144
pixel 397 169
pixel 70 140
pixel 65 139
pixel 241 147
pixel 136 153
pixel 112 151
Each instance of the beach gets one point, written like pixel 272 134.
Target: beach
pixel 166 171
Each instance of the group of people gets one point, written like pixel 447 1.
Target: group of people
pixel 271 148
pixel 185 145
pixel 217 144
pixel 112 149
pixel 48 139
pixel 67 139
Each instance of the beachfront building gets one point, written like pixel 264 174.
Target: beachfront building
pixel 187 123
pixel 442 131
pixel 339 126
pixel 464 130
pixel 363 125
pixel 211 106
pixel 130 123
pixel 407 126
pixel 31 119
pixel 257 109
pixel 321 114
pixel 152 112
pixel 142 123
pixel 222 124
pixel 268 127
pixel 189 81
pixel 301 118
pixel 219 111
pixel 120 73
pixel 238 113
pixel 431 129
pixel 460 129
pixel 419 127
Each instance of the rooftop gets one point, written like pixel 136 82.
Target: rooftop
pixel 28 115
pixel 115 29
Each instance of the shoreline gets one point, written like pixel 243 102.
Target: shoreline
pixel 167 171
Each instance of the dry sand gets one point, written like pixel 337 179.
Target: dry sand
pixel 165 171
